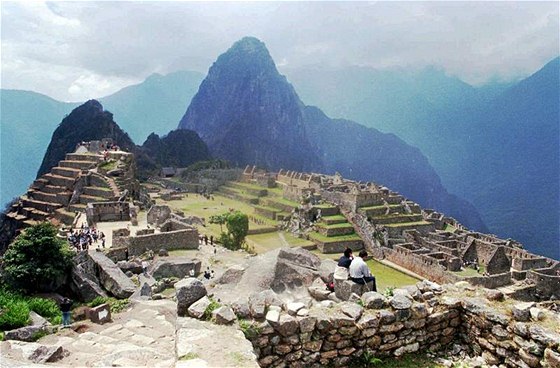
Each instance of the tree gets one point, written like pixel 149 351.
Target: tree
pixel 237 224
pixel 219 219
pixel 37 260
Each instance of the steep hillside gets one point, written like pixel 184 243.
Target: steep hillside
pixel 87 122
pixel 249 114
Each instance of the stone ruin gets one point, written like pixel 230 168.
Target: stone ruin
pixel 75 182
pixel 425 241
pixel 290 327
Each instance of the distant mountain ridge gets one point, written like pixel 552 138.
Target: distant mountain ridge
pixel 90 121
pixel 496 146
pixel 249 114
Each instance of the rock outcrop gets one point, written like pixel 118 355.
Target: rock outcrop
pixel 111 276
pixel 188 291
pixel 175 267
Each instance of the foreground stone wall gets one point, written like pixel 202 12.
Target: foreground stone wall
pixel 500 339
pixel 336 334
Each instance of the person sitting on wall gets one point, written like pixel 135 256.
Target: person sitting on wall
pixel 341 270
pixel 359 271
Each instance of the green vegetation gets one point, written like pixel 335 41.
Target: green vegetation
pixel 262 243
pixel 416 223
pixel 327 239
pixel 368 360
pixel 188 356
pixel 210 308
pixel 16 307
pixel 249 329
pixel 334 226
pixel 237 224
pixel 108 165
pixel 37 260
pixel 116 305
pixel 389 291
pixel 206 165
pixel 388 277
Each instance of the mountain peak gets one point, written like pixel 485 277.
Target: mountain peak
pixel 247 57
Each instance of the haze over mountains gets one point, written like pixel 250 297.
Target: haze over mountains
pixel 510 172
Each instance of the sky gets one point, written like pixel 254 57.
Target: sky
pixel 73 51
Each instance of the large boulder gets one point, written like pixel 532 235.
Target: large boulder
pixel 86 287
pixel 26 333
pixel 198 308
pixel 111 276
pixel 38 353
pixel 158 214
pixel 132 266
pixel 295 267
pixel 232 275
pixel 187 292
pixel 175 267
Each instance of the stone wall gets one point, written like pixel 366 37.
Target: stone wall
pixel 107 211
pixel 366 231
pixel 339 334
pixel 492 281
pixel 523 264
pixel 502 340
pixel 423 266
pixel 547 285
pixel 172 240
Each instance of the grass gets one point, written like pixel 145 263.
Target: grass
pixel 262 243
pixel 210 308
pixel 108 165
pixel 188 356
pixel 327 239
pixel 334 226
pixel 388 277
pixel 470 272
pixel 199 206
pixel 406 361
pixel 284 201
pixel 249 329
pixel 247 185
pixel 334 217
pixel 116 305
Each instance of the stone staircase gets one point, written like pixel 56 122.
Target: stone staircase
pixel 50 195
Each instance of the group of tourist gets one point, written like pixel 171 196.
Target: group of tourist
pixel 355 269
pixel 204 239
pixel 83 238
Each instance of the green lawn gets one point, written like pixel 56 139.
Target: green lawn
pixel 333 217
pixel 262 243
pixel 199 206
pixel 334 226
pixel 326 239
pixel 408 224
pixel 385 276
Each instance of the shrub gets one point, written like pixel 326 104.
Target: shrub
pixel 15 314
pixel 249 329
pixel 97 301
pixel 210 308
pixel 46 308
pixel 37 260
pixel 237 224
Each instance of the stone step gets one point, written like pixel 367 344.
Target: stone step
pixel 83 157
pixel 332 220
pixel 336 230
pixel 77 164
pixel 77 207
pixel 40 205
pixel 381 210
pixel 65 216
pixel 53 189
pixel 62 198
pixel 106 193
pixel 66 171
pixel 85 199
pixel 39 183
pixel 61 181
pixel 34 214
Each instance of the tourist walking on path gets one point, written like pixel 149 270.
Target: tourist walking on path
pixel 65 307
pixel 359 271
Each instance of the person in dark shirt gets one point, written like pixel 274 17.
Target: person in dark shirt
pixel 65 307
pixel 346 259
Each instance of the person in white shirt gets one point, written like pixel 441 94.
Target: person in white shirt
pixel 359 271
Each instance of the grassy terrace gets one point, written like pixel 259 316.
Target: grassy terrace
pixel 334 226
pixel 199 206
pixel 417 223
pixel 326 239
pixel 283 201
pixel 333 218
pixel 262 243
pixel 379 207
pixel 385 276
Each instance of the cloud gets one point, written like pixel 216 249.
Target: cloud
pixel 97 47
